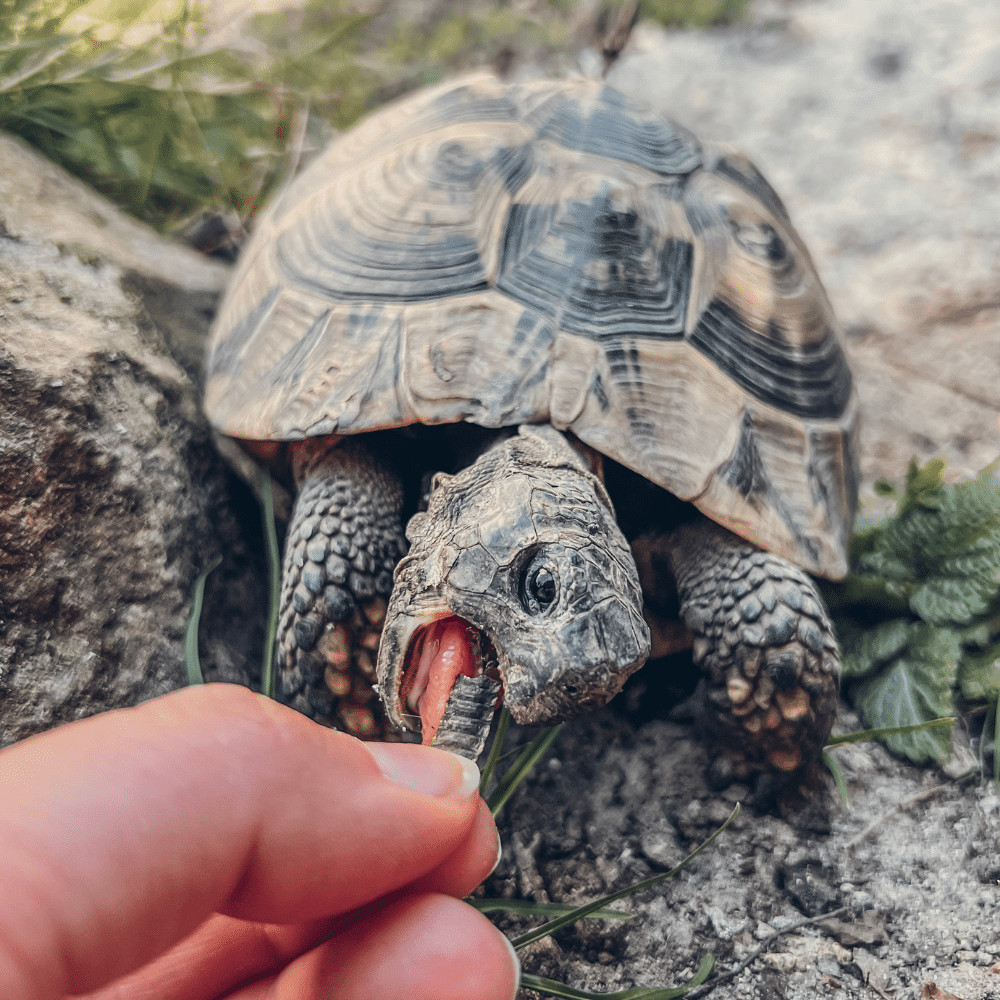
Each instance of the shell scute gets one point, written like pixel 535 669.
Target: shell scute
pixel 605 123
pixel 597 266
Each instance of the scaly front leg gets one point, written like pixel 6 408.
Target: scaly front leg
pixel 344 540
pixel 766 646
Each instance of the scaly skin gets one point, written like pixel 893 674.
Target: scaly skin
pixel 761 635
pixel 766 646
pixel 344 540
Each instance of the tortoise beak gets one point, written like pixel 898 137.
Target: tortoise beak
pixel 409 670
pixel 396 639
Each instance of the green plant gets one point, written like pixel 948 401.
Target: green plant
pixel 273 583
pixel 191 659
pixel 693 13
pixel 872 734
pixel 919 614
pixel 172 118
pixel 138 99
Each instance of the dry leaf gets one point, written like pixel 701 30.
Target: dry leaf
pixel 874 970
pixel 931 991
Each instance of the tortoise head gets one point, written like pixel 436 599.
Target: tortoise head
pixel 518 575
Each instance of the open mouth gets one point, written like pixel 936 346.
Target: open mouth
pixel 451 682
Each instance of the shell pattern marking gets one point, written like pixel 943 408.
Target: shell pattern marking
pixel 552 252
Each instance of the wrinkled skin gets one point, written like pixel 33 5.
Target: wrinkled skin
pixel 524 546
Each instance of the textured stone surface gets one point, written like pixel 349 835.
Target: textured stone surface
pixel 112 497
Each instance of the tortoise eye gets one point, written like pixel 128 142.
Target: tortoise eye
pixel 540 588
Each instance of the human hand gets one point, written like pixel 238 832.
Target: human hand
pixel 213 843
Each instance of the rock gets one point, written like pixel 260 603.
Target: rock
pixel 113 498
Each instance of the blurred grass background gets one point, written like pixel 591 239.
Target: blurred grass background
pixel 179 111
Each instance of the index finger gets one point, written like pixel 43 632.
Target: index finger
pixel 125 831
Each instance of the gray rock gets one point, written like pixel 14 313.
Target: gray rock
pixel 113 497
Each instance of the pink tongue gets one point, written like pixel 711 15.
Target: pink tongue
pixel 454 657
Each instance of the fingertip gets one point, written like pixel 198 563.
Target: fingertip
pixel 515 963
pixel 471 862
pixel 426 770
pixel 426 947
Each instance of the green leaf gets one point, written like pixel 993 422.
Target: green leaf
pixel 553 989
pixel 191 659
pixel 865 650
pixel 838 778
pixel 274 584
pixel 923 485
pixel 979 674
pixel 961 587
pixel 520 769
pixel 942 550
pixel 529 908
pixel 495 751
pixel 916 688
pixel 982 633
pixel 863 735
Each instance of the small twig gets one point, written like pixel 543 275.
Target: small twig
pixel 702 991
pixel 617 35
pixel 901 807
pixel 297 140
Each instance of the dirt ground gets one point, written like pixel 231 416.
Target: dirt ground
pixel 911 871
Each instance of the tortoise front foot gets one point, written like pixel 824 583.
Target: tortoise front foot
pixel 767 649
pixel 344 539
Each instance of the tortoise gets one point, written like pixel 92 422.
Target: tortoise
pixel 503 311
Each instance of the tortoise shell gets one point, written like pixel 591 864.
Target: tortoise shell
pixel 552 251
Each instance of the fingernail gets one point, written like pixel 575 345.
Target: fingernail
pixel 517 966
pixel 425 769
pixel 496 864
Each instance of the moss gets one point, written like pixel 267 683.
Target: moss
pixel 693 13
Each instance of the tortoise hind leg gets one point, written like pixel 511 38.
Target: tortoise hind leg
pixel 766 646
pixel 344 539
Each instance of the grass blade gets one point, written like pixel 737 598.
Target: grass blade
pixel 191 660
pixel 495 751
pixel 274 584
pixel 838 777
pixel 553 989
pixel 530 756
pixel 588 908
pixel 529 908
pixel 996 745
pixel 991 723
pixel 877 734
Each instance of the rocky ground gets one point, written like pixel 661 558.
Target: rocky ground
pixel 910 871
